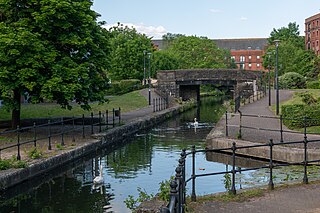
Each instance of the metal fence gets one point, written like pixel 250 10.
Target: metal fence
pixel 280 128
pixel 247 100
pixel 58 128
pixel 160 104
pixel 177 200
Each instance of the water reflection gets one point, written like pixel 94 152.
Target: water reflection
pixel 147 159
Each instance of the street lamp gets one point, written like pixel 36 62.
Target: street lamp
pixel 149 80
pixel 277 79
pixel 269 89
pixel 144 68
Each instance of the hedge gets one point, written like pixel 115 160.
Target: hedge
pixel 293 115
pixel 124 86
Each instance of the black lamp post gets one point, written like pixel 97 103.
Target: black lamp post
pixel 269 89
pixel 149 80
pixel 144 68
pixel 277 79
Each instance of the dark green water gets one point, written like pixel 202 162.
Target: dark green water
pixel 147 159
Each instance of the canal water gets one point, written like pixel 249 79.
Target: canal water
pixel 142 163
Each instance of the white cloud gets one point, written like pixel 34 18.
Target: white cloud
pixel 243 18
pixel 215 11
pixel 150 31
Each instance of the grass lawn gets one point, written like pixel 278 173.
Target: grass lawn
pixel 126 102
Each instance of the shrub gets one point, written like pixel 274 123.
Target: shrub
pixel 313 85
pixel 34 153
pixel 294 115
pixel 124 86
pixel 292 80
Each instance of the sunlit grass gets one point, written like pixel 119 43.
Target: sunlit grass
pixel 126 102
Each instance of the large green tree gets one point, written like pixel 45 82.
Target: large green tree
pixel 127 52
pixel 292 56
pixel 52 50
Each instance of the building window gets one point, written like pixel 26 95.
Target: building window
pixel 249 57
pixel 258 56
pixel 233 58
pixel 242 58
pixel 258 65
pixel 249 65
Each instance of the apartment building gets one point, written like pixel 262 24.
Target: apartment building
pixel 312 25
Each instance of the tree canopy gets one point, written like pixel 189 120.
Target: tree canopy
pixel 51 50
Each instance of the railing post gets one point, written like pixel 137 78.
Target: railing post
pixel 83 134
pixel 179 191
pixel 119 115
pixel 73 129
pixel 240 124
pixel 107 118
pixel 62 135
pixel 91 122
pixel 281 129
pixel 233 187
pixel 18 143
pixel 113 114
pixel 305 142
pixel 182 163
pixel 271 184
pixel 154 104
pixel 49 135
pixel 227 133
pixel 34 134
pixel 193 176
pixel 99 121
pixel 174 192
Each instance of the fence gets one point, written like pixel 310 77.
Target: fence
pixel 177 199
pixel 242 100
pixel 62 127
pixel 160 104
pixel 281 119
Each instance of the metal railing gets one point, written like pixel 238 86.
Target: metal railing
pixel 160 104
pixel 177 201
pixel 243 101
pixel 280 128
pixel 45 132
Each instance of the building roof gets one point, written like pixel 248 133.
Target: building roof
pixel 231 44
pixel 242 44
pixel 311 18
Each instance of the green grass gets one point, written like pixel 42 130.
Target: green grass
pixel 126 102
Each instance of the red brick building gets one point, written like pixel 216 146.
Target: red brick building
pixel 312 28
pixel 247 53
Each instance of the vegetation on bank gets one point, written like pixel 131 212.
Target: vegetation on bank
pixel 127 102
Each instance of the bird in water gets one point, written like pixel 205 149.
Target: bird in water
pixel 195 123
pixel 99 179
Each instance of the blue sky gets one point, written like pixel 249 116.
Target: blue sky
pixel 215 19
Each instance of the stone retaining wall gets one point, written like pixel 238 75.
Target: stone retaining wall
pixel 9 178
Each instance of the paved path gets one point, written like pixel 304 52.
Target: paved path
pixel 294 199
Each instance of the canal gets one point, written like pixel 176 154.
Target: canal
pixel 143 162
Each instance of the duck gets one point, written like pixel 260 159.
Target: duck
pixel 98 180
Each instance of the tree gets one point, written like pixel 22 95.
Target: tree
pixel 52 50
pixel 164 60
pixel 127 52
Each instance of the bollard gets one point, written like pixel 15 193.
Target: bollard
pixel 271 184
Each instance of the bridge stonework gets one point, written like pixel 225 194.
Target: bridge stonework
pixel 185 84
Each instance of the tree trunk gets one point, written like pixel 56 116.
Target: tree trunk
pixel 15 121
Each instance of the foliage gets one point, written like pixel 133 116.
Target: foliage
pixel 164 190
pixel 292 56
pixel 164 60
pixel 51 50
pixel 127 52
pixel 292 80
pixel 313 84
pixel 307 98
pixel 12 163
pixel 227 181
pixel 124 86
pixel 294 115
pixel 59 146
pixel 35 153
pixel 132 203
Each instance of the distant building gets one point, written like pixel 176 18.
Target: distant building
pixel 247 53
pixel 312 25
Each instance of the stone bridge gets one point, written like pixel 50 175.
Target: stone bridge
pixel 185 84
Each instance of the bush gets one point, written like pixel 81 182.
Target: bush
pixel 313 85
pixel 124 86
pixel 292 80
pixel 293 115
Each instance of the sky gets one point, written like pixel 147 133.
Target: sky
pixel 215 19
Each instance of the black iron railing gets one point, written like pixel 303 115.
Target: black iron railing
pixel 177 200
pixel 57 128
pixel 160 104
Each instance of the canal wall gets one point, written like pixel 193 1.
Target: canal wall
pixel 104 140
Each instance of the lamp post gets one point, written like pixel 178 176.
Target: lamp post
pixel 269 89
pixel 277 79
pixel 144 68
pixel 149 83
